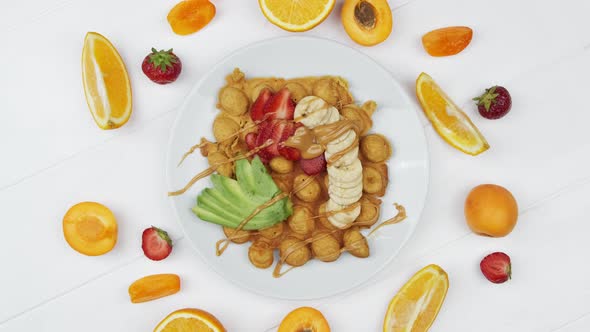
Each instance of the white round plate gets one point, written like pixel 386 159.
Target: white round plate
pixel 395 118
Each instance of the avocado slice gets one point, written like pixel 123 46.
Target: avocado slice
pixel 264 184
pixel 231 201
pixel 210 216
pixel 206 200
pixel 231 189
pixel 245 176
pixel 221 200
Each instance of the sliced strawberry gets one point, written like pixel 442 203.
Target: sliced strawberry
pixel 313 166
pixel 281 131
pixel 257 109
pixel 264 132
pixel 496 267
pixel 278 131
pixel 280 105
pixel 251 140
pixel 156 243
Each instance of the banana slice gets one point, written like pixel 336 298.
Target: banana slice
pixel 341 219
pixel 333 115
pixel 346 173
pixel 347 185
pixel 342 142
pixel 345 196
pixel 312 111
pixel 347 159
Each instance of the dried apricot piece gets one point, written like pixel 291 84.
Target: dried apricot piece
pixel 154 287
pixel 190 16
pixel 447 41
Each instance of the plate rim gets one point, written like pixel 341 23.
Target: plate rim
pixel 167 169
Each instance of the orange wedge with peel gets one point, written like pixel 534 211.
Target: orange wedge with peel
pixel 106 83
pixel 190 320
pixel 416 305
pixel 448 120
pixel 296 15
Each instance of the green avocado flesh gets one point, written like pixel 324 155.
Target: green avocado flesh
pixel 231 201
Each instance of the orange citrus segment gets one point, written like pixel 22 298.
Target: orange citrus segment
pixel 416 305
pixel 106 83
pixel 190 320
pixel 296 15
pixel 448 120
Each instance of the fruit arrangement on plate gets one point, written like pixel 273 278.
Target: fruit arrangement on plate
pixel 294 165
pixel 297 169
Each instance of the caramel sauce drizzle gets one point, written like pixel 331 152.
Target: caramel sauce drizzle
pixel 336 156
pixel 327 214
pixel 400 216
pixel 222 244
pixel 312 142
pixel 198 146
pixel 210 170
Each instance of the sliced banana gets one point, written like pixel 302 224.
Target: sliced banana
pixel 346 173
pixel 345 176
pixel 345 196
pixel 342 142
pixel 312 111
pixel 347 185
pixel 342 219
pixel 333 115
pixel 347 159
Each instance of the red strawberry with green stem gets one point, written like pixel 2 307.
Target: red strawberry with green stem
pixel 156 243
pixel 162 66
pixel 494 103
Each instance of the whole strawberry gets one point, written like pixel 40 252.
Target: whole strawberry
pixel 496 267
pixel 162 66
pixel 494 103
pixel 155 243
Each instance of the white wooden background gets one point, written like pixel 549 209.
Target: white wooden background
pixel 53 156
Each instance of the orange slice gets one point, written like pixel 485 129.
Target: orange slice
pixel 190 320
pixel 296 15
pixel 448 120
pixel 416 305
pixel 106 83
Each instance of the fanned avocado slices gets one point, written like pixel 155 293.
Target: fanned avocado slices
pixel 231 201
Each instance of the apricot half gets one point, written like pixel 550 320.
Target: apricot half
pixel 491 210
pixel 367 22
pixel 90 228
pixel 304 319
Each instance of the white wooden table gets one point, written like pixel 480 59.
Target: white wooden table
pixel 54 156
